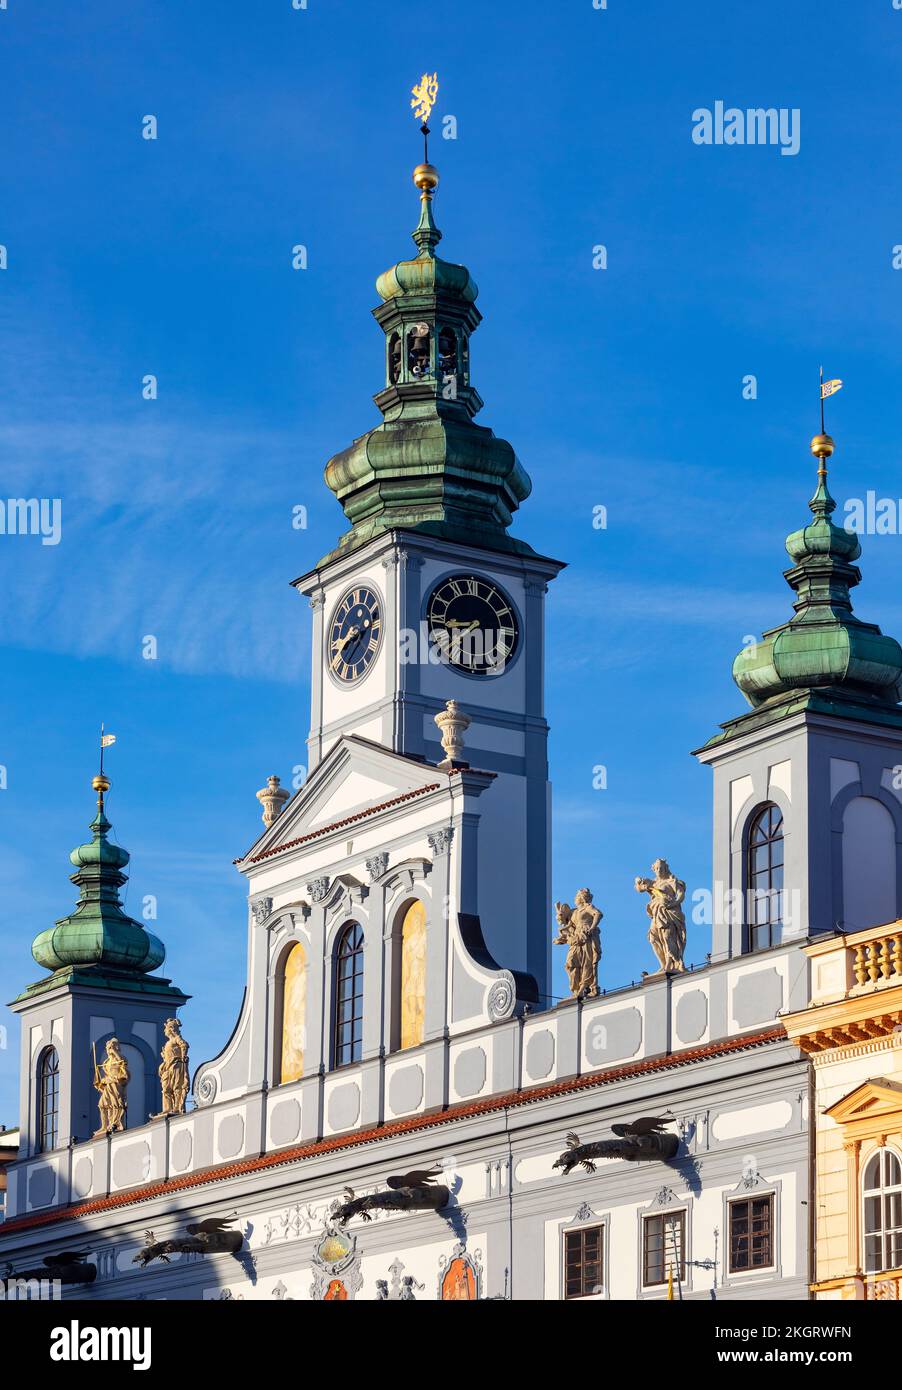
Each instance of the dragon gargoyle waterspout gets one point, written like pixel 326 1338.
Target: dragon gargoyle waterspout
pixel 640 1140
pixel 414 1191
pixel 210 1237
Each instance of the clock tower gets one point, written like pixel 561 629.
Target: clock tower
pixel 427 597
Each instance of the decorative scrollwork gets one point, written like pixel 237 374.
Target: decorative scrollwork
pixel 501 998
pixel 205 1089
pixel 318 889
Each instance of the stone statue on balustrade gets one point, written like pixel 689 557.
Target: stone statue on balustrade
pixel 667 933
pixel 173 1069
pixel 578 931
pixel 111 1080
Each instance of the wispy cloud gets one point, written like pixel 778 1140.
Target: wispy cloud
pixel 174 531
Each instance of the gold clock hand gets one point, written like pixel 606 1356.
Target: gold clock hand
pixel 343 642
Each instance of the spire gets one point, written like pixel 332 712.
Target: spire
pixel 427 466
pixel 98 933
pixel 824 647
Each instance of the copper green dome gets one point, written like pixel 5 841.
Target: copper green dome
pixel 98 933
pixel 427 466
pixel 824 646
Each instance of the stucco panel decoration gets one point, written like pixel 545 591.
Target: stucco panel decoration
pixel 344 1106
pixel 205 1089
pixel 752 1119
pixel 131 1165
pixel 41 1186
pixel 405 1090
pixel 540 1054
pixel 501 997
pixel 230 1138
pixel 285 1122
pixel 261 908
pixel 469 1072
pixel 336 1267
pixel 757 997
pixel 293 1222
pixel 613 1036
pixel 460 1275
pixel 83 1178
pixel 691 1015
pixel 182 1149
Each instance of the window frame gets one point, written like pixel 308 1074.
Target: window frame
pixel 748 1199
pixel 580 1232
pixel 42 1146
pixel 883 1191
pixel 670 1214
pixel 339 1044
pixel 753 930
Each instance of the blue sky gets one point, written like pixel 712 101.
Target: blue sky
pixel 619 388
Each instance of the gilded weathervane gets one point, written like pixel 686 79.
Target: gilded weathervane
pixel 424 95
pixel 423 98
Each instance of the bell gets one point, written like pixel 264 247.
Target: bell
pixel 418 352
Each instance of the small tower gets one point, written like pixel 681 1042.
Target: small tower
pixel 100 986
pixel 807 796
pixel 427 597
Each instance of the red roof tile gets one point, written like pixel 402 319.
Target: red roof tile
pixel 510 1100
pixel 348 820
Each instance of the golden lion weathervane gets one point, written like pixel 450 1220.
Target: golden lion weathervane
pixel 424 95
pixel 423 98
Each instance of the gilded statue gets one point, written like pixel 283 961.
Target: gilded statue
pixel 111 1079
pixel 173 1069
pixel 578 931
pixel 667 933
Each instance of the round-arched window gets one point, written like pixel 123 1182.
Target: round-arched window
pixel 882 1191
pixel 764 879
pixel 348 995
pixel 48 1099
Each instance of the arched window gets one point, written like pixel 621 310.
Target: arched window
pixel 348 995
pixel 764 880
pixel 413 976
pixel 294 1015
pixel 48 1099
pixel 394 359
pixel 418 350
pixel 882 1184
pixel 447 352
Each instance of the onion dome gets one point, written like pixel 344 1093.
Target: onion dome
pixel 823 647
pixel 427 466
pixel 98 933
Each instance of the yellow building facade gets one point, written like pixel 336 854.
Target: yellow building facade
pixel 852 1031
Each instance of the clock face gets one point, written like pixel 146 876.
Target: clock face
pixel 355 634
pixel 473 624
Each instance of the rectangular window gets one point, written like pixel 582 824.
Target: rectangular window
pixel 583 1262
pixel 663 1248
pixel 751 1228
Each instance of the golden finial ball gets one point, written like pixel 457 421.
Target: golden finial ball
pixel 822 446
pixel 425 176
pixel 101 784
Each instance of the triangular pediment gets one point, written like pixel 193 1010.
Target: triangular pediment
pixel 872 1100
pixel 354 777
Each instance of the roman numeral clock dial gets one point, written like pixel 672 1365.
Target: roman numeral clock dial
pixel 473 624
pixel 355 635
